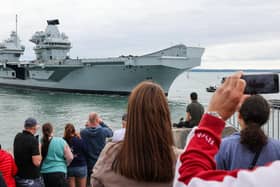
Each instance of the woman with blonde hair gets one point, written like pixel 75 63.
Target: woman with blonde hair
pixel 77 170
pixel 146 156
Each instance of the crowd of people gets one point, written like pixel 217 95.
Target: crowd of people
pixel 54 161
pixel 142 153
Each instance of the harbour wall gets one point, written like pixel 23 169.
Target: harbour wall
pixel 180 135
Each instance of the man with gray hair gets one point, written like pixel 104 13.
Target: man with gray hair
pixel 27 156
pixel 94 136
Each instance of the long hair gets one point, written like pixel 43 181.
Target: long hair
pixel 69 132
pixel 255 113
pixel 47 130
pixel 146 154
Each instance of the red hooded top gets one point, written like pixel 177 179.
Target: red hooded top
pixel 8 168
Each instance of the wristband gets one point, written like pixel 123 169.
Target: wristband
pixel 215 114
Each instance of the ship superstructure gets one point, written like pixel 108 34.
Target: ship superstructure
pixel 11 49
pixel 53 69
pixel 51 45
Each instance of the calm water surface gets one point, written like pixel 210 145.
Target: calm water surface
pixel 60 108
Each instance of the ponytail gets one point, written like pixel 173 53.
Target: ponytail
pixel 69 133
pixel 47 131
pixel 253 137
pixel 255 113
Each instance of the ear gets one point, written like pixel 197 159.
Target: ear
pixel 241 121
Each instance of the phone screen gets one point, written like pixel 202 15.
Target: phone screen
pixel 261 83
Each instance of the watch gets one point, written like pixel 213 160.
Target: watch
pixel 215 114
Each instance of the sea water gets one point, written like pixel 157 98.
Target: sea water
pixel 61 108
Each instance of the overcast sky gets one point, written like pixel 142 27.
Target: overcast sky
pixel 235 33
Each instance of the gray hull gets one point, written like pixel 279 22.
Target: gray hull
pixel 102 79
pixel 105 76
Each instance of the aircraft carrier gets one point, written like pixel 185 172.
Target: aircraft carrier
pixel 54 70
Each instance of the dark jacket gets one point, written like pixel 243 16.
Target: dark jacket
pixel 78 148
pixel 95 139
pixel 2 182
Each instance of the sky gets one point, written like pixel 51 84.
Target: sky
pixel 237 34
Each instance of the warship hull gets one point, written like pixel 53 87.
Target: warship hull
pixel 111 76
pixel 101 80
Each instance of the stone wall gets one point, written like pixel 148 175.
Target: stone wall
pixel 180 134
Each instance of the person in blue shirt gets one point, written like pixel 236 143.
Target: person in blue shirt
pixel 251 146
pixel 94 136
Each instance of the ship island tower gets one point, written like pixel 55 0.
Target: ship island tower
pixel 51 46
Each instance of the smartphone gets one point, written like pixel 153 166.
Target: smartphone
pixel 261 83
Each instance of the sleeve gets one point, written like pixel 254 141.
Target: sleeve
pixel 188 108
pixel 196 166
pixel 68 154
pixel 200 152
pixel 108 131
pixel 14 167
pixel 34 147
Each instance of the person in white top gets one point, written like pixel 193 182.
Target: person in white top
pixel 119 134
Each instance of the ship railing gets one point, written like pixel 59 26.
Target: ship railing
pixel 110 59
pixel 271 128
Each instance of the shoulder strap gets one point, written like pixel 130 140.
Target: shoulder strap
pixel 255 159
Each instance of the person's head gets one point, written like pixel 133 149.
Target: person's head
pixel 93 119
pixel 148 139
pixel 253 114
pixel 69 131
pixel 193 96
pixel 124 120
pixel 47 131
pixel 31 125
pixel 254 110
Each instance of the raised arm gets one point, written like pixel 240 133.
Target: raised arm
pixel 107 129
pixel 36 153
pixel 196 166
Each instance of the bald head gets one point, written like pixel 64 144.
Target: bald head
pixel 93 119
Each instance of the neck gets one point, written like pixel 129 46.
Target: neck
pixel 93 125
pixel 30 130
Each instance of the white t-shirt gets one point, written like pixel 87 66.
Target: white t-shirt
pixel 118 135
